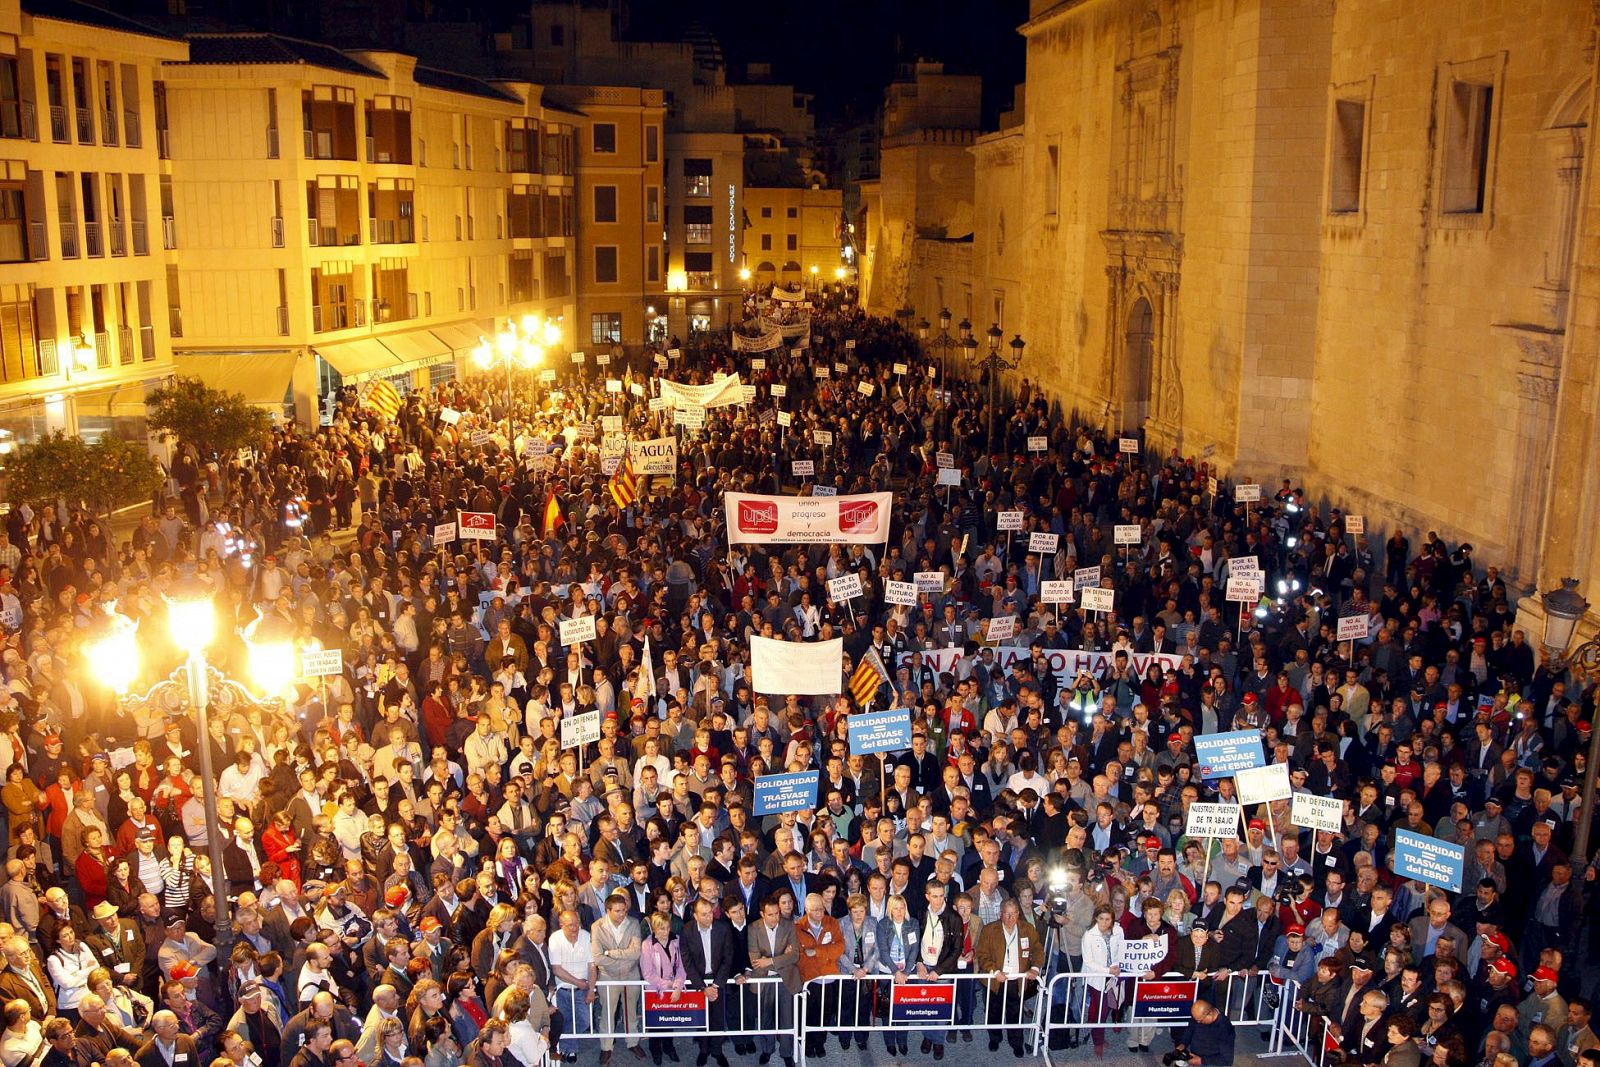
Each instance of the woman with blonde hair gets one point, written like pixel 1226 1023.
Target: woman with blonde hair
pixel 662 968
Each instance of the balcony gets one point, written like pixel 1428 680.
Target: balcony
pixel 92 245
pixel 272 142
pixel 85 125
pixel 336 316
pixel 697 185
pixel 141 237
pixel 163 144
pixel 702 279
pixel 331 235
pixel 175 321
pixel 14 237
pixel 697 233
pixel 108 127
pixel 69 239
pixel 125 344
pixel 17 120
pixel 130 128
pixel 58 124
pixel 147 343
pixel 169 232
pixel 102 348
pixel 277 231
pixel 38 244
pixel 390 231
pixel 119 239
pixel 283 322
pixel 47 362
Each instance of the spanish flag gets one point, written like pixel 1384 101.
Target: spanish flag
pixel 624 485
pixel 869 675
pixel 383 400
pixel 552 513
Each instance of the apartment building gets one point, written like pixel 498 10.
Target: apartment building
pixel 621 212
pixel 83 331
pixel 345 216
pixel 793 236
pixel 705 226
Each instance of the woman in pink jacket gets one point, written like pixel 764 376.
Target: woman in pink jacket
pixel 662 968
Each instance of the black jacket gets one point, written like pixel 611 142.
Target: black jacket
pixel 699 970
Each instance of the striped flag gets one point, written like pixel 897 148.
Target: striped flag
pixel 383 400
pixel 869 675
pixel 624 483
pixel 552 513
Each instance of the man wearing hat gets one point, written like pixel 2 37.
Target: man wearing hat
pixel 1543 1005
pixel 117 944
pixel 256 1022
pixel 1495 990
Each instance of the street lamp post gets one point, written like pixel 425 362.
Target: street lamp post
pixel 521 344
pixel 1563 608
pixel 993 365
pixel 196 685
pixel 944 342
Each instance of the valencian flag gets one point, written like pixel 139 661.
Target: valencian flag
pixel 552 513
pixel 624 484
pixel 383 400
pixel 870 674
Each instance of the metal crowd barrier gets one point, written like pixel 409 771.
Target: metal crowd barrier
pixel 1080 1004
pixel 751 1008
pixel 877 1004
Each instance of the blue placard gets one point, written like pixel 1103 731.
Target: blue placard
pixel 1163 1001
pixel 1428 859
pixel 923 1003
pixel 1221 755
pixel 786 792
pixel 880 731
pixel 684 1010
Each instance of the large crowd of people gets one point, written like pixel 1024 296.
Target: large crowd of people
pixel 419 873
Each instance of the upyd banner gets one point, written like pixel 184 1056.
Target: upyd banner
pixel 808 520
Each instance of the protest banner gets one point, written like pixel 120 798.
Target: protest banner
pixel 1007 521
pixel 1352 628
pixel 845 587
pixel 762 520
pixel 1313 812
pixel 1001 628
pixel 928 581
pixel 576 631
pixel 903 594
pixel 1055 592
pixel 322 662
pixel 1130 534
pixel 475 525
pixel 1222 755
pixel 1247 494
pixel 879 731
pixel 1097 599
pixel 807 668
pixel 444 533
pixel 581 729
pixel 1428 859
pixel 776 793
pixel 1262 785
pixel 1084 577
pixel 1212 820
pixel 1043 543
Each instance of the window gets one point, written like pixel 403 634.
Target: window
pixel 1468 133
pixel 697 177
pixel 555 274
pixel 792 213
pixel 605 328
pixel 766 242
pixel 389 129
pixel 328 121
pixel 605 203
pixel 652 263
pixel 697 262
pixel 766 212
pixel 697 223
pixel 652 144
pixel 605 138
pixel 791 243
pixel 652 204
pixel 558 36
pixel 1052 178
pixel 1344 164
pixel 605 264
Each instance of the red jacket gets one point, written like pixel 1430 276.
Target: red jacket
pixel 91 878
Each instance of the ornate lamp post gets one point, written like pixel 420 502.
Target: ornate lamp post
pixel 944 342
pixel 196 685
pixel 1563 608
pixel 520 344
pixel 994 364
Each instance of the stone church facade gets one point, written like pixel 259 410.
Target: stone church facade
pixel 1351 242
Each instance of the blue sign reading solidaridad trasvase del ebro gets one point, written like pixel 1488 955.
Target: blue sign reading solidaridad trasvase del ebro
pixel 775 793
pixel 1223 755
pixel 880 731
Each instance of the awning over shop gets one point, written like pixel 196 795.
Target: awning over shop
pixel 418 348
pixel 263 377
pixel 358 360
pixel 463 336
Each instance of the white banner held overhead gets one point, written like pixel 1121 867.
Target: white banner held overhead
pixel 1007 521
pixel 581 729
pixel 1212 820
pixel 1128 445
pixel 718 394
pixel 1055 592
pixel 1355 524
pixel 1262 785
pixel 903 594
pixel 575 630
pixel 803 668
pixel 1243 590
pixel 1001 628
pixel 1312 812
pixel 1085 577
pixel 659 456
pixel 929 581
pixel 1352 628
pixel 1130 534
pixel 1247 494
pixel 319 663
pixel 844 587
pixel 765 520
pixel 1043 543
pixel 804 468
pixel 1097 599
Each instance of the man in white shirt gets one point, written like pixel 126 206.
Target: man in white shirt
pixel 572 961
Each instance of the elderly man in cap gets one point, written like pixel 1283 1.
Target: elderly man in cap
pixel 181 946
pixel 1543 1005
pixel 256 1021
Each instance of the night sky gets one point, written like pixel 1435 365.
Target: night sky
pixel 846 51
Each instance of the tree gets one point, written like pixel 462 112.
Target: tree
pixel 212 420
pixel 104 476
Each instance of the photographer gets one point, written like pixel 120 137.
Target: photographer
pixel 1206 1042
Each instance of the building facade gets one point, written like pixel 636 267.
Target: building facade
pixel 793 236
pixel 1309 240
pixel 83 326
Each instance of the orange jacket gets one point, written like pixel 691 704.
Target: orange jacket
pixel 819 953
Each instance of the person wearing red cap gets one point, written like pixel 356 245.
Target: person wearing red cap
pixel 1543 1004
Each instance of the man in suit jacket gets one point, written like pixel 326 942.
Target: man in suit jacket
pixel 706 948
pixel 117 944
pixel 774 952
pixel 616 941
pixel 1427 929
pixel 937 952
pixel 24 979
pixel 168 1046
pixel 1012 951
